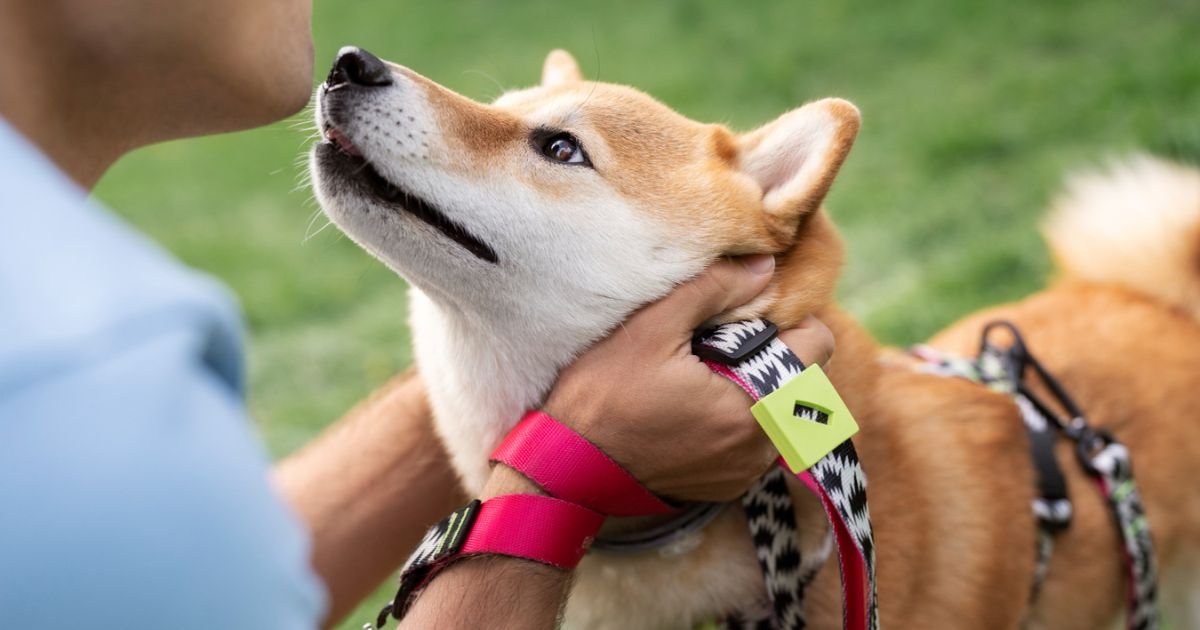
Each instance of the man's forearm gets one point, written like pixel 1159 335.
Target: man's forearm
pixel 494 592
pixel 368 488
pixel 491 592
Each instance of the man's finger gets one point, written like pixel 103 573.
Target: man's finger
pixel 811 340
pixel 727 284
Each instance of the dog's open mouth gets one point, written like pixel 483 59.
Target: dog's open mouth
pixel 338 146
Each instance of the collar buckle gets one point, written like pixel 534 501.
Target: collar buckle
pixel 733 343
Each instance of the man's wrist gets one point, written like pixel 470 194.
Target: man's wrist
pixel 498 591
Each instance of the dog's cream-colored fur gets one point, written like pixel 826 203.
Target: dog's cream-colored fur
pixel 580 248
pixel 1133 224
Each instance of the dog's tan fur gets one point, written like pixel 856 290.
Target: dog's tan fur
pixel 950 478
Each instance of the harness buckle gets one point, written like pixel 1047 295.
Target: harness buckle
pixel 1090 444
pixel 1053 515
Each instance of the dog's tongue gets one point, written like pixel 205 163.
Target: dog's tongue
pixel 334 135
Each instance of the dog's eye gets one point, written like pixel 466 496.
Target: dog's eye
pixel 563 147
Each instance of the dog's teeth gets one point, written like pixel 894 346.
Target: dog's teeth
pixel 334 135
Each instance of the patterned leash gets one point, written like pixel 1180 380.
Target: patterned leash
pixel 1101 455
pixel 809 423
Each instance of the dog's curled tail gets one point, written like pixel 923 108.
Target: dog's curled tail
pixel 1136 224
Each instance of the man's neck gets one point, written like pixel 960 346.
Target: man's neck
pixel 43 96
pixel 73 148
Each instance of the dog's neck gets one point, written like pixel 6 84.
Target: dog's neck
pixel 484 373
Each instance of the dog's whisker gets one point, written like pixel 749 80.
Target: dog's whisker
pixel 499 86
pixel 308 233
pixel 307 237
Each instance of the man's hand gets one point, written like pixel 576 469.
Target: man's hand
pixel 647 401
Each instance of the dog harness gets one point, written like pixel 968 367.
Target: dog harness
pixel 1100 454
pixel 810 425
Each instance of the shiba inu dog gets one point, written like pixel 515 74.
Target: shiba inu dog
pixel 530 227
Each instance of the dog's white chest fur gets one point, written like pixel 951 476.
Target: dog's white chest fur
pixel 480 381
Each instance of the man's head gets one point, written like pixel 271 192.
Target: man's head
pixel 105 76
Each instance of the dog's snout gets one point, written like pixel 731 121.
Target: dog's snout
pixel 355 66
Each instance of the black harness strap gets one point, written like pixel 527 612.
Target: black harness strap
pixel 1100 454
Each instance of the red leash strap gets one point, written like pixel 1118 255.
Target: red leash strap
pixel 542 529
pixel 749 354
pixel 532 527
pixel 851 560
pixel 566 465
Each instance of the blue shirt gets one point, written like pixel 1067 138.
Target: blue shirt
pixel 134 491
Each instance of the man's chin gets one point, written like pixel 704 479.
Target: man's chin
pixel 266 101
pixel 294 82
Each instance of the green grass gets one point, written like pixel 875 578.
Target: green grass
pixel 973 112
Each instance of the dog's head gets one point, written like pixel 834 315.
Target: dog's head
pixel 571 201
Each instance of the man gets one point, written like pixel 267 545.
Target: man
pixel 133 490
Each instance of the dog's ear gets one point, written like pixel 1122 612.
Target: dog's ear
pixel 795 157
pixel 560 67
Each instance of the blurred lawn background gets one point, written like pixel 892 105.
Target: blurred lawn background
pixel 973 112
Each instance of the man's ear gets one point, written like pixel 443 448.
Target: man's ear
pixel 795 157
pixel 560 67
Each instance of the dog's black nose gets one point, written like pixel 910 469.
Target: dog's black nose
pixel 356 66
